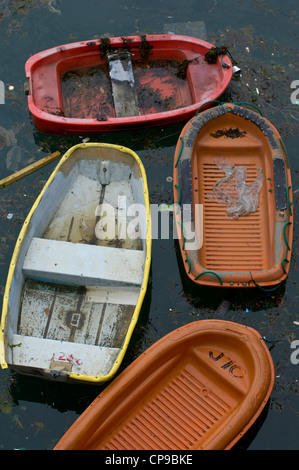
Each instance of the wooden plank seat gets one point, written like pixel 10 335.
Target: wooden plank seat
pixel 61 356
pixel 123 84
pixel 87 265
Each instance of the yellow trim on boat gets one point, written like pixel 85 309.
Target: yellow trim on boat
pixel 82 377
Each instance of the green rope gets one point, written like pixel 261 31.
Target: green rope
pixel 178 207
pixel 282 264
pixel 189 262
pixel 180 153
pixel 284 234
pixel 205 104
pixel 180 193
pixel 208 272
pixel 285 152
pixel 183 234
pixel 271 341
pixel 288 199
pixel 219 103
pixel 268 290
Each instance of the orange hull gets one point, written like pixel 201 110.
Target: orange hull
pixel 200 387
pixel 253 249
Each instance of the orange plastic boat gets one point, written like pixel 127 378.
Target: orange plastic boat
pixel 233 197
pixel 200 387
pixel 122 83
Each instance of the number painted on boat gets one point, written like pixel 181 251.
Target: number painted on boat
pixel 62 356
pixel 226 363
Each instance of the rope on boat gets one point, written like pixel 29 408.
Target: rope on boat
pixel 284 260
pixel 180 152
pixel 288 199
pixel 249 104
pixel 284 234
pixel 208 102
pixel 265 289
pixel 180 193
pixel 184 238
pixel 189 262
pixel 219 103
pixel 271 341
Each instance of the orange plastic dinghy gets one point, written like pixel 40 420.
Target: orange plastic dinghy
pixel 233 198
pixel 200 387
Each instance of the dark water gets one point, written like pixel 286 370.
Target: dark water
pixel 263 39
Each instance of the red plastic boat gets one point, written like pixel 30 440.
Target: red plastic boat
pixel 121 83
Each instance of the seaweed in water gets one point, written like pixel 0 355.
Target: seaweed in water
pixel 145 49
pixel 105 46
pixel 214 52
pixel 233 133
pixel 182 68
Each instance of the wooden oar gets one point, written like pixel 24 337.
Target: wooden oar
pixel 28 169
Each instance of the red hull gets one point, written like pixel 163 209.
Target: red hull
pixel 70 90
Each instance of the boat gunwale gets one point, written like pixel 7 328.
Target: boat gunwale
pixel 143 287
pixel 74 125
pixel 255 400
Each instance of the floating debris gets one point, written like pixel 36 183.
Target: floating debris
pixel 7 137
pixel 166 207
pixel 51 8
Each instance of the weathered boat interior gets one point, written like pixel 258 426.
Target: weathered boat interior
pixel 125 81
pixel 78 277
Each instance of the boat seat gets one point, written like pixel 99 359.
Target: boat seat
pixel 123 85
pixel 87 265
pixel 50 356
